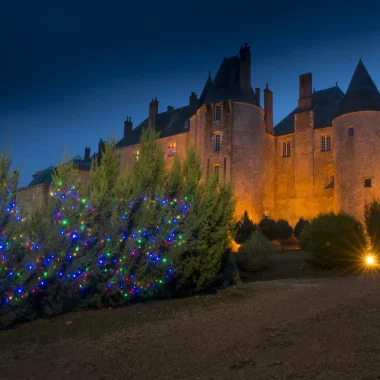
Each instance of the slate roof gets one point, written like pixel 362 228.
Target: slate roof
pixel 168 123
pixel 225 85
pixel 325 104
pixel 46 175
pixel 43 176
pixel 362 94
pixel 207 86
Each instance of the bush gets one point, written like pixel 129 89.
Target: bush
pixel 252 255
pixel 270 229
pixel 299 227
pixel 372 223
pixel 286 229
pixel 336 241
pixel 244 229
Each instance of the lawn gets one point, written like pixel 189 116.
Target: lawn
pixel 299 328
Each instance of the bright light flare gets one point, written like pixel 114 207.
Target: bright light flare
pixel 370 260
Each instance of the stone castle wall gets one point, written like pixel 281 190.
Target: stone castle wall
pixel 356 160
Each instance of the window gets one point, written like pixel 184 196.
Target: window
pixel 216 170
pixel 286 148
pixel 172 149
pixel 325 143
pixel 217 143
pixel 187 124
pixel 331 184
pixel 367 182
pixel 351 131
pixel 137 155
pixel 218 113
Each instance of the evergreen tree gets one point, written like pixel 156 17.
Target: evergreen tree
pixel 174 183
pixel 244 229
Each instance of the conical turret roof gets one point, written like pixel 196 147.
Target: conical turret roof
pixel 208 84
pixel 361 95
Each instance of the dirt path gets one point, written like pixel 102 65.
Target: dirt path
pixel 290 329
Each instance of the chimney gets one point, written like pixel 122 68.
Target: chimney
pixel 87 152
pixel 305 101
pixel 153 112
pixel 257 93
pixel 193 100
pixel 245 69
pixel 128 126
pixel 170 108
pixel 268 109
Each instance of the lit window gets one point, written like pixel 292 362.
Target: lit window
pixel 137 155
pixel 367 182
pixel 325 143
pixel 187 124
pixel 217 143
pixel 286 148
pixel 216 170
pixel 218 113
pixel 351 131
pixel 172 149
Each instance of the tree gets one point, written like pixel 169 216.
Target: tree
pixel 270 229
pixel 206 229
pixel 299 227
pixel 286 231
pixel 244 229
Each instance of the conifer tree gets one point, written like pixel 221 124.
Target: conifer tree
pixel 174 183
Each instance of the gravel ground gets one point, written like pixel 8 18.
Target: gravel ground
pixel 284 329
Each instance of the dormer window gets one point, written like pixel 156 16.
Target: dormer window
pixel 172 149
pixel 218 113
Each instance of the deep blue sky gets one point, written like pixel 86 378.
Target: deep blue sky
pixel 71 71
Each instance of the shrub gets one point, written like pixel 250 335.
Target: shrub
pixel 299 227
pixel 270 229
pixel 286 229
pixel 372 223
pixel 244 228
pixel 336 241
pixel 252 255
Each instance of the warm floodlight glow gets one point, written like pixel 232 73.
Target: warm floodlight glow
pixel 370 260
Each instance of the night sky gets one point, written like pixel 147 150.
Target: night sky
pixel 71 73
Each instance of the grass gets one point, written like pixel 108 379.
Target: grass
pixel 289 264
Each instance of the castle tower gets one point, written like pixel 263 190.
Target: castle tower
pixel 229 132
pixel 356 140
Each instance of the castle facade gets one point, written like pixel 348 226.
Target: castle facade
pixel 321 157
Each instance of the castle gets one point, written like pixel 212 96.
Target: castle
pixel 319 158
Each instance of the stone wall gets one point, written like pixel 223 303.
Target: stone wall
pixel 356 160
pixel 31 199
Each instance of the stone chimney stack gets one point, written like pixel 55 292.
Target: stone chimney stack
pixel 245 69
pixel 268 109
pixel 153 112
pixel 128 126
pixel 305 100
pixel 87 152
pixel 193 100
pixel 257 93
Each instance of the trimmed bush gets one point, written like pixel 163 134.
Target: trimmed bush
pixel 336 240
pixel 372 223
pixel 253 254
pixel 300 226
pixel 270 229
pixel 286 229
pixel 244 228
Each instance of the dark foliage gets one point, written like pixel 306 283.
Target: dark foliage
pixel 336 240
pixel 270 229
pixel 372 223
pixel 244 228
pixel 299 227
